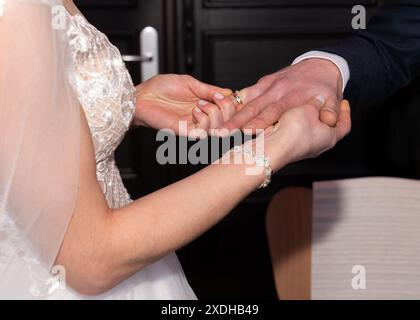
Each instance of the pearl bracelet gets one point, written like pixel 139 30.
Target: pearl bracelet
pixel 260 160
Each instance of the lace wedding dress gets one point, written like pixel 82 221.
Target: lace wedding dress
pixel 106 93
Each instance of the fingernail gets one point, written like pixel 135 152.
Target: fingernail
pixel 321 99
pixel 346 105
pixel 202 102
pixel 219 96
pixel 198 110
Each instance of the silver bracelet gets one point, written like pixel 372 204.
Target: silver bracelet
pixel 260 160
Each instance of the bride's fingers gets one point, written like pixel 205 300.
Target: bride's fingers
pixel 202 119
pixel 226 105
pixel 344 120
pixel 201 126
pixel 205 91
pixel 214 113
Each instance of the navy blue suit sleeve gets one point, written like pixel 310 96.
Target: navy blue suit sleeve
pixel 386 56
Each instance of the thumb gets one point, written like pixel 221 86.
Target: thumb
pixel 344 120
pixel 330 111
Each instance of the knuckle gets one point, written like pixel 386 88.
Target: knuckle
pixel 254 111
pixel 262 125
pixel 250 125
pixel 274 109
pixel 266 79
pixel 213 110
pixel 257 123
pixel 283 82
pixel 187 77
pixel 226 103
pixel 231 124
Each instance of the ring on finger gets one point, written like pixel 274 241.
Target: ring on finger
pixel 237 98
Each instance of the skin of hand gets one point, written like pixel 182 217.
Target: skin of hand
pixel 272 95
pixel 307 135
pixel 165 100
pixel 209 116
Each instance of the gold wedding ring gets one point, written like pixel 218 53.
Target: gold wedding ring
pixel 236 97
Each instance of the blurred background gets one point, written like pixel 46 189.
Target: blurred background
pixel 232 43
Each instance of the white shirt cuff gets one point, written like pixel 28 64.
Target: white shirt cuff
pixel 340 62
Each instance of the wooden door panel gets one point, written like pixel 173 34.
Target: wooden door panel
pixel 233 60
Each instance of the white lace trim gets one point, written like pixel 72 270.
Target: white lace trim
pixel 14 249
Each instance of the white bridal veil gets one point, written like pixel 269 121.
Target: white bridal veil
pixel 39 146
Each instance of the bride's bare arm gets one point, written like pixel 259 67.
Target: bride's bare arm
pixel 103 247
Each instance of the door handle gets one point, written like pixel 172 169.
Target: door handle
pixel 134 58
pixel 149 54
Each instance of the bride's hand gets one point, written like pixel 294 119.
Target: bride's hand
pixel 210 116
pixel 300 134
pixel 166 100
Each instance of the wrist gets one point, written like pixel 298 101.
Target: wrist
pixel 281 147
pixel 138 121
pixel 242 167
pixel 329 68
pixel 261 163
pixel 338 61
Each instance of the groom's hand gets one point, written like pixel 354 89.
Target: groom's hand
pixel 266 101
pixel 300 134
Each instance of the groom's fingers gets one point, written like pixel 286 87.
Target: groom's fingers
pixel 250 93
pixel 344 120
pixel 266 118
pixel 271 111
pixel 249 111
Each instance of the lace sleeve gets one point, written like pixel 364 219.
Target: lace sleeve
pixel 39 140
